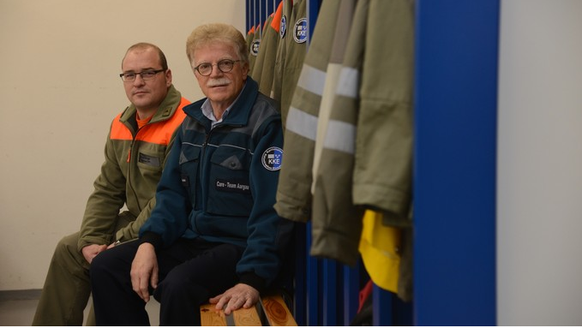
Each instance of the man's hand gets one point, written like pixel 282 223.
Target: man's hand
pixel 241 295
pixel 89 252
pixel 144 271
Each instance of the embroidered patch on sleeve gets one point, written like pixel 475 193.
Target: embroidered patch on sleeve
pixel 272 158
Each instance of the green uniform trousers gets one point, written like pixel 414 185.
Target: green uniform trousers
pixel 67 287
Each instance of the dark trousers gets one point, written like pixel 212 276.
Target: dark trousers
pixel 190 272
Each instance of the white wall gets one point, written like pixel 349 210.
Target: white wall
pixel 540 163
pixel 59 91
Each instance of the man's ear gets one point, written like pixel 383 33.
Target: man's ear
pixel 168 77
pixel 245 70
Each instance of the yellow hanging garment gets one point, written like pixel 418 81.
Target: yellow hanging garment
pixel 379 249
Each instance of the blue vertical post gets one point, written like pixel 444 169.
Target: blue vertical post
pixel 247 15
pixel 313 278
pixel 382 314
pixel 300 283
pixel 455 162
pixel 351 293
pixel 312 13
pixel 330 295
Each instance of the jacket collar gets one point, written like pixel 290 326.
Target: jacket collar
pixel 240 111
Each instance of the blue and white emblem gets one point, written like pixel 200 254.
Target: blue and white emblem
pixel 283 27
pixel 255 47
pixel 300 30
pixel 272 158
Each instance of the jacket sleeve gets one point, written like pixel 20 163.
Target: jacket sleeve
pixel 131 231
pixel 103 205
pixel 269 234
pixel 169 217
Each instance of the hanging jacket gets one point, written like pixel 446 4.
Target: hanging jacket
pixel 250 36
pixel 255 46
pixel 383 167
pixel 339 222
pixel 290 56
pixel 318 75
pixel 260 56
pixel 269 51
pixel 133 166
pixel 219 185
pixel 368 146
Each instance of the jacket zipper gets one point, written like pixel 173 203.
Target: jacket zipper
pixel 129 169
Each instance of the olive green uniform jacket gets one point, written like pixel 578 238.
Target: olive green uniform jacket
pixel 133 166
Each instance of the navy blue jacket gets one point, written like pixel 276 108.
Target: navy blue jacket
pixel 220 184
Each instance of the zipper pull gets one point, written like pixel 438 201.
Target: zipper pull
pixel 128 154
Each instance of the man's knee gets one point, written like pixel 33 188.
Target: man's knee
pixel 66 252
pixel 115 262
pixel 181 289
pixel 100 263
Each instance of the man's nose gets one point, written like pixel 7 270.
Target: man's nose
pixel 138 80
pixel 215 71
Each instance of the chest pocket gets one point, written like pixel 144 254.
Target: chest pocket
pixel 189 166
pixel 229 186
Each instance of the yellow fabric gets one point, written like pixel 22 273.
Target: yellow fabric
pixel 379 249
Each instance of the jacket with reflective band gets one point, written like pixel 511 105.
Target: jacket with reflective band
pixel 133 166
pixel 220 183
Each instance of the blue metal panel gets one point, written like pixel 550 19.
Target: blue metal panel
pixel 300 284
pixel 248 8
pixel 312 13
pixel 351 291
pixel 382 307
pixel 313 298
pixel 330 295
pixel 455 160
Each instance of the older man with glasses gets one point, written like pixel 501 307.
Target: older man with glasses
pixel 138 143
pixel 214 235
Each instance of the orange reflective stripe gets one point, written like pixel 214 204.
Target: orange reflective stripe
pixel 162 133
pixel 120 131
pixel 154 133
pixel 276 23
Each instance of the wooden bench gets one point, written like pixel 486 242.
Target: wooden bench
pixel 269 311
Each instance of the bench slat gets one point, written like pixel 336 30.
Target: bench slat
pixel 277 312
pixel 272 308
pixel 246 317
pixel 209 316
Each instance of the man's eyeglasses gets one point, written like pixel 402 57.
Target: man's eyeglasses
pixel 224 66
pixel 147 74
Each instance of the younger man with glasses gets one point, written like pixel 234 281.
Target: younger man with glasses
pixel 213 235
pixel 138 143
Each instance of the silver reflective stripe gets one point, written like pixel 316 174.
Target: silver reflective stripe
pixel 312 79
pixel 347 85
pixel 302 123
pixel 341 136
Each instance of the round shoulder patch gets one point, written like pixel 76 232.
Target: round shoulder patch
pixel 300 30
pixel 255 47
pixel 272 158
pixel 283 27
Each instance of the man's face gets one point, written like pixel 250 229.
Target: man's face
pixel 145 95
pixel 220 88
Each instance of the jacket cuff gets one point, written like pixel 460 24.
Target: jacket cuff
pixel 253 280
pixel 152 238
